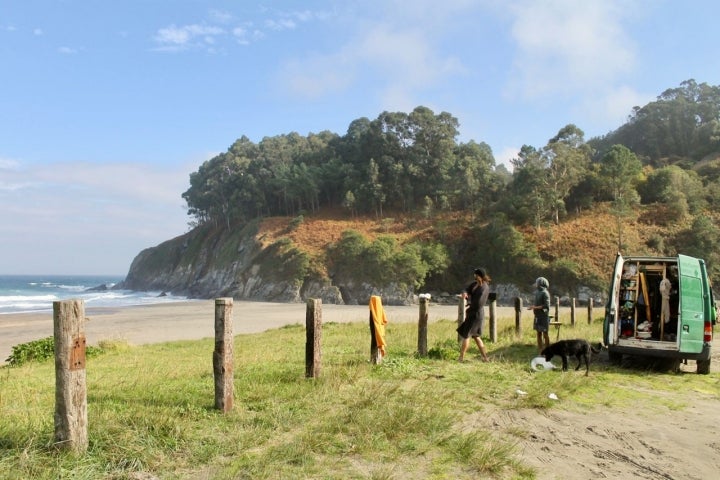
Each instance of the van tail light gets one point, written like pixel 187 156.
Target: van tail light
pixel 707 337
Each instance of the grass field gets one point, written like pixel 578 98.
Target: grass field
pixel 151 415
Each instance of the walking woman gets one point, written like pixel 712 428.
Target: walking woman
pixel 476 295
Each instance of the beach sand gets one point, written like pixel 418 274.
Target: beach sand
pixel 194 320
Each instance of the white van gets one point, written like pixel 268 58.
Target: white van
pixel 660 307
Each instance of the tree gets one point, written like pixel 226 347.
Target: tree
pixel 567 156
pixel 702 240
pixel 471 180
pixel 668 184
pixel 529 199
pixel 349 202
pixel 681 125
pixel 619 169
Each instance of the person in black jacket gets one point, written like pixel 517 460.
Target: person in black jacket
pixel 476 295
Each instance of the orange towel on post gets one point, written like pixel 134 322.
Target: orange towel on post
pixel 379 321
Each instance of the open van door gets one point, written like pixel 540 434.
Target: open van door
pixel 692 302
pixel 610 325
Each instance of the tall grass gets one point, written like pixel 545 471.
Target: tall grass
pixel 151 415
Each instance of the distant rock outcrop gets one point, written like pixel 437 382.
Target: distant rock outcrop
pixel 212 264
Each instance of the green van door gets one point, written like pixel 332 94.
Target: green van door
pixel 692 304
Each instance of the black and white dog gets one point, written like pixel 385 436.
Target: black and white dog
pixel 577 348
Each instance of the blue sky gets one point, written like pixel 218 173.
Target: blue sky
pixel 106 107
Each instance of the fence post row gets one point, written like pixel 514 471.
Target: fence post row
pixel 223 360
pixel 70 376
pixel 313 329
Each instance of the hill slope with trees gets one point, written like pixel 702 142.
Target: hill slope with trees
pixel 398 203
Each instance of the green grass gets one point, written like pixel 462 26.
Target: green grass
pixel 150 408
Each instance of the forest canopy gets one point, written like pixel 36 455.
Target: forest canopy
pixel 667 153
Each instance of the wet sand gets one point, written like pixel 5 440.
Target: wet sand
pixel 193 320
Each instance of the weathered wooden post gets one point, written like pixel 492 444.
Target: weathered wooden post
pixel 493 319
pixel 423 325
pixel 590 311
pixel 557 309
pixel 518 315
pixel 461 314
pixel 223 360
pixel 70 378
pixel 572 312
pixel 313 329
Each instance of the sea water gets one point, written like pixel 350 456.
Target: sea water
pixel 36 293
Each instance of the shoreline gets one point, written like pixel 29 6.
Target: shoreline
pixel 195 320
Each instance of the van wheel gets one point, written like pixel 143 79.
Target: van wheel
pixel 703 367
pixel 614 357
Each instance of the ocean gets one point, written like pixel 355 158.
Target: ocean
pixel 36 293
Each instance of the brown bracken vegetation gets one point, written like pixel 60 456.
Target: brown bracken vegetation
pixel 589 239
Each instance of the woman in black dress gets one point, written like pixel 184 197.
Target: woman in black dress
pixel 476 295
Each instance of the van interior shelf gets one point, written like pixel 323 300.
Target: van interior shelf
pixel 640 303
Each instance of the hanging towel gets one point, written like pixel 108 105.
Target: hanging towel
pixel 665 289
pixel 379 321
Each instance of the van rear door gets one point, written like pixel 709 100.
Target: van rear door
pixel 610 325
pixel 692 321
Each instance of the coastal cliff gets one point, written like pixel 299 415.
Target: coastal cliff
pixel 282 259
pixel 211 263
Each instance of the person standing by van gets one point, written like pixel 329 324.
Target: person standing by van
pixel 476 294
pixel 541 310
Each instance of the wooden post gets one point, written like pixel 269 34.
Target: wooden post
pixel 70 377
pixel 223 360
pixel 590 311
pixel 518 315
pixel 313 329
pixel 423 326
pixel 461 314
pixel 493 321
pixel 572 312
pixel 557 309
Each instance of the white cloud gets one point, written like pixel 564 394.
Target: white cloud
pixel 565 46
pixel 174 38
pixel 404 60
pixel 9 164
pixel 245 35
pixel 177 38
pixel 281 24
pixel 67 51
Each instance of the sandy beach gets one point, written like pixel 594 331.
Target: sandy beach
pixel 194 320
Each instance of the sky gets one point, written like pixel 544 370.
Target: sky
pixel 107 107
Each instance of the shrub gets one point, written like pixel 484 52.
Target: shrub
pixel 39 351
